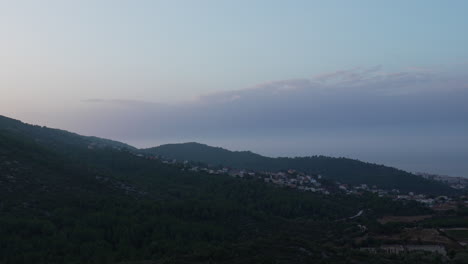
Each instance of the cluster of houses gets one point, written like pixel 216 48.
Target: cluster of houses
pixel 401 249
pixel 459 183
pixel 428 201
pixel 306 182
pixel 439 203
pixel 296 180
pixel 290 178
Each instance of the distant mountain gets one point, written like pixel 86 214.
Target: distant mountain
pixel 340 169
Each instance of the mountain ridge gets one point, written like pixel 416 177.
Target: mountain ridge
pixel 344 170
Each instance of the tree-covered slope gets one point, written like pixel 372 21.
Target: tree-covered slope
pixel 55 138
pixel 341 169
pixel 65 203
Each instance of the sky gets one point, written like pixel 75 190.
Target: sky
pixel 380 81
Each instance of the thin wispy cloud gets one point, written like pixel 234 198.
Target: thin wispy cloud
pixel 366 96
pixel 119 102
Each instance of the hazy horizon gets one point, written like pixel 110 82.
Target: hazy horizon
pixel 384 82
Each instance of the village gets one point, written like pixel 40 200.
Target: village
pixel 315 183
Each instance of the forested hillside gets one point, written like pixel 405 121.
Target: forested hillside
pixel 341 169
pixel 57 139
pixel 67 203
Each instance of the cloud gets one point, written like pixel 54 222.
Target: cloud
pixel 355 82
pixel 356 99
pixel 118 102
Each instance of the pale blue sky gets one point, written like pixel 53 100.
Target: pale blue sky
pixel 141 58
pixel 170 50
